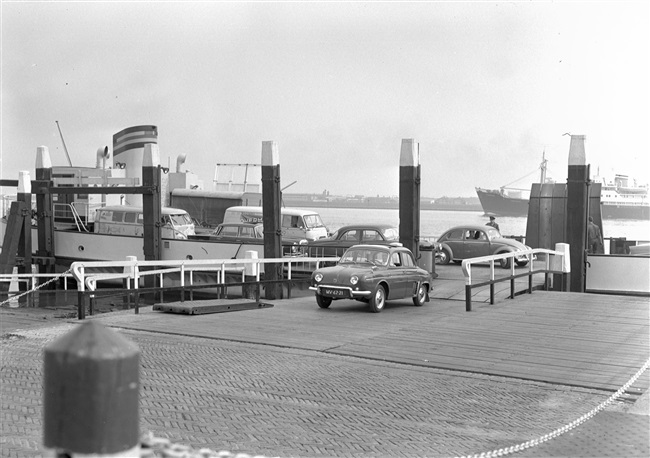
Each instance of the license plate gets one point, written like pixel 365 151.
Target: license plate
pixel 335 292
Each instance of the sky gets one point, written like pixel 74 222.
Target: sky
pixel 484 88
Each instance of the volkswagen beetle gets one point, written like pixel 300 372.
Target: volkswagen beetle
pixel 372 274
pixel 473 241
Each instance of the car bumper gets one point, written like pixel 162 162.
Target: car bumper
pixel 338 292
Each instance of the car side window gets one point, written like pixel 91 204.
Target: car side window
pixel 394 260
pixel 455 235
pixel 370 235
pixel 407 260
pixel 246 232
pixel 228 230
pixel 350 236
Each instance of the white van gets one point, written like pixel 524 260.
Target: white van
pixel 297 224
pixel 129 220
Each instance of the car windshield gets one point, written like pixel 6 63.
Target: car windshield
pixel 181 219
pixel 493 234
pixel 391 233
pixel 365 256
pixel 314 220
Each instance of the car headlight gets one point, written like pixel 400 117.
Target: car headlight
pixel 318 277
pixel 354 279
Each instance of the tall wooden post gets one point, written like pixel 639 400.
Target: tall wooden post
pixel 271 198
pixel 151 202
pixel 24 196
pixel 577 206
pixel 44 210
pixel 409 196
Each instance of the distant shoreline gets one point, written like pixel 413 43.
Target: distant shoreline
pixel 378 205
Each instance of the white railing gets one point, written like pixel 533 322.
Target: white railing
pixel 88 274
pixel 556 261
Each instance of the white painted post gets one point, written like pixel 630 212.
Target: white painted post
pixel 250 275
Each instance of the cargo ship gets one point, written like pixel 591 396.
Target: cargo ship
pixel 621 198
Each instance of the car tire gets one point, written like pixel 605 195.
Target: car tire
pixel 522 263
pixel 420 298
pixel 378 299
pixel 445 256
pixel 323 302
pixel 505 263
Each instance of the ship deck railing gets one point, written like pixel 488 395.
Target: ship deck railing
pixel 554 263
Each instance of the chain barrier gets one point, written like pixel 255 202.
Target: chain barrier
pixel 564 429
pixel 13 298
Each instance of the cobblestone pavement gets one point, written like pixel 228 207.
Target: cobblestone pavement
pixel 272 401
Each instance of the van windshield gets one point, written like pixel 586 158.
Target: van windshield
pixel 181 219
pixel 312 221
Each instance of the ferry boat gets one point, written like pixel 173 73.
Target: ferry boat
pixel 101 227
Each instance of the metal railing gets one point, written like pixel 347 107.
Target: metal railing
pixel 180 275
pixel 558 259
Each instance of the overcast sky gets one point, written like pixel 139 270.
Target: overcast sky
pixel 483 87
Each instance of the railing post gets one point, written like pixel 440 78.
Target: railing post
pixel 81 305
pixel 468 298
pixel 91 394
pixel 250 273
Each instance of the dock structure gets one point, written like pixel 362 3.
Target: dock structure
pixel 431 380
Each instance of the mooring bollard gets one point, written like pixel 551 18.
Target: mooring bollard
pixel 91 393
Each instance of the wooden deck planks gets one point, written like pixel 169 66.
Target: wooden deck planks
pixel 595 341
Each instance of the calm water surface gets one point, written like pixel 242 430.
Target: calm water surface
pixel 435 222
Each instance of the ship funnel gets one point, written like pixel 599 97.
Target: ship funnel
pixel 102 154
pixel 180 160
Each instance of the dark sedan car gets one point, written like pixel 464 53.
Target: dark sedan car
pixel 347 236
pixel 473 241
pixel 372 274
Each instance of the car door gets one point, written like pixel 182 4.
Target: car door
pixel 396 276
pixel 409 277
pixel 476 244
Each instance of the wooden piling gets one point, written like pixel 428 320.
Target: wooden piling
pixel 271 198
pixel 577 211
pixel 409 196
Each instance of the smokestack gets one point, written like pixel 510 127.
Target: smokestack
pixel 180 160
pixel 102 154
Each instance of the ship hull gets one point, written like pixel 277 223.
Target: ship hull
pixel 497 204
pixel 636 212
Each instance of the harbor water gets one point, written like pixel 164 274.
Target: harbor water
pixel 434 222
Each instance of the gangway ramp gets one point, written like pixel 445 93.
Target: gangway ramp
pixel 210 306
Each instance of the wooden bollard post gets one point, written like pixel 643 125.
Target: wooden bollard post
pixel 576 211
pixel 409 196
pixel 271 199
pixel 90 394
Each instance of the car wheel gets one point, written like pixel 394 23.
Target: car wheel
pixel 522 263
pixel 505 263
pixel 378 299
pixel 323 302
pixel 445 256
pixel 421 296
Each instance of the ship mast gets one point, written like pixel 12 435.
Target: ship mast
pixel 65 148
pixel 542 168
